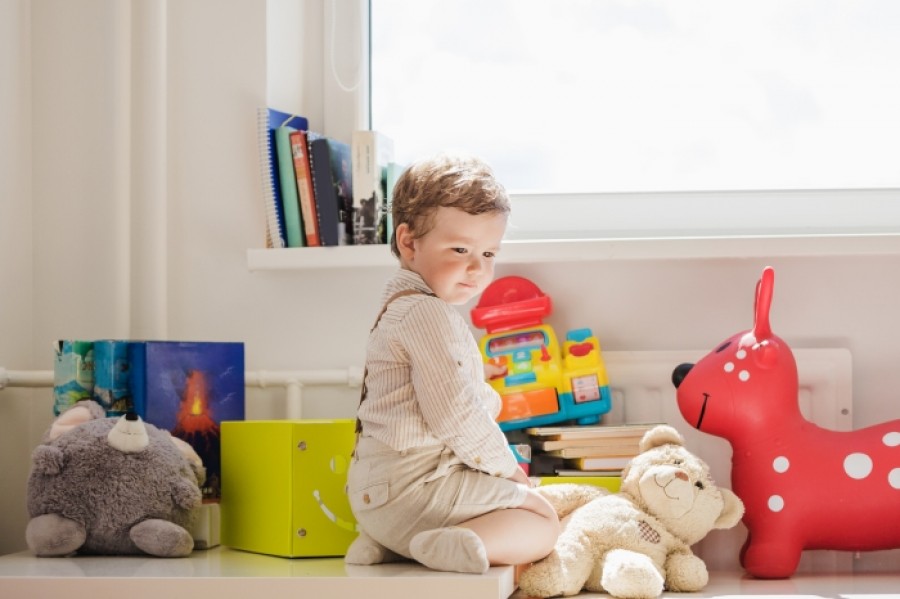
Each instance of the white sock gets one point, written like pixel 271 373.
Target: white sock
pixel 366 551
pixel 452 549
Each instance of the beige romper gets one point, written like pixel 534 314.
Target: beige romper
pixel 396 494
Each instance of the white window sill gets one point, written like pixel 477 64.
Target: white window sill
pixel 518 251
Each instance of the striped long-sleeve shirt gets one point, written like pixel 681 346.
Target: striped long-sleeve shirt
pixel 425 382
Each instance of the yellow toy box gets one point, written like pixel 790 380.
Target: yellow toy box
pixel 284 487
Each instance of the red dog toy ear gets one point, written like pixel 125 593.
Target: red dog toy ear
pixel 764 289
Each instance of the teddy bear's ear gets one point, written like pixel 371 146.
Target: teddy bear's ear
pixel 732 512
pixel 47 460
pixel 660 435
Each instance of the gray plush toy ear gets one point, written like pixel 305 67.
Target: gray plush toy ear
pixel 660 435
pixel 78 414
pixel 47 460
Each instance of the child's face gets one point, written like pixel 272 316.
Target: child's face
pixel 455 258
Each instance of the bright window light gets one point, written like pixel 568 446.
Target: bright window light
pixel 565 96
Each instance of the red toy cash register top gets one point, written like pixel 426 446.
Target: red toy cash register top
pixel 511 303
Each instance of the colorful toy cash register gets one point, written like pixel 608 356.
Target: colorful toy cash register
pixel 539 384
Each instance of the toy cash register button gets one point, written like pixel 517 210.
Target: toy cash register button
pixel 520 378
pixel 581 349
pixel 578 335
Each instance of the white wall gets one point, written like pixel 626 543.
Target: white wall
pixel 77 196
pixel 16 299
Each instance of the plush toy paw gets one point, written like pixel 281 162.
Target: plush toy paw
pixel 545 579
pixel 631 575
pixel 685 573
pixel 51 535
pixel 162 538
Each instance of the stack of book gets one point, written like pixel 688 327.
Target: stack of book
pixel 601 450
pixel 319 191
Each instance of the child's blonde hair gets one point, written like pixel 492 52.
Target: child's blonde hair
pixel 445 180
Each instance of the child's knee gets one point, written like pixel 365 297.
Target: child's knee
pixel 540 506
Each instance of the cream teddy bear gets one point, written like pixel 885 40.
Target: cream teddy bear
pixel 636 543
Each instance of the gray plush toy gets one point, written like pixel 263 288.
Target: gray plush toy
pixel 111 486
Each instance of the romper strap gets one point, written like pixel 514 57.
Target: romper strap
pixel 399 294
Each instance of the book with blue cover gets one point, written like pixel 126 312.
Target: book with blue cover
pixel 268 120
pixel 112 376
pixel 189 389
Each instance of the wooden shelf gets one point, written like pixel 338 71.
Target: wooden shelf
pixel 585 250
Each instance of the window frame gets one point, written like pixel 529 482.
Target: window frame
pixel 656 215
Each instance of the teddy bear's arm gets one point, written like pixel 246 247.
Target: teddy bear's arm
pixel 567 497
pixel 565 571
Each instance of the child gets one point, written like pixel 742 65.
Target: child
pixel 433 478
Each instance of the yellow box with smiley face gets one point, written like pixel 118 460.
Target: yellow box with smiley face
pixel 284 487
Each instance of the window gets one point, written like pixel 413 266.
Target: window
pixel 609 96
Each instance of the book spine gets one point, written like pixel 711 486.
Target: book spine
pixel 340 159
pixel 269 178
pixel 393 172
pixel 372 152
pixel 137 360
pixel 112 384
pixel 73 373
pixel 288 180
pixel 324 193
pixel 305 192
pixel 329 202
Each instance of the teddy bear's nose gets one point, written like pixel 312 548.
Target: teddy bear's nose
pixel 680 372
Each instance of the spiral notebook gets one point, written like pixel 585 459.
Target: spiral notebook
pixel 268 120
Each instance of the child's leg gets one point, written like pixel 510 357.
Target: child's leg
pixel 505 536
pixel 517 536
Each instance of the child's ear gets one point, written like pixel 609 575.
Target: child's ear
pixel 405 241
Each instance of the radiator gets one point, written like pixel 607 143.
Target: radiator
pixel 642 391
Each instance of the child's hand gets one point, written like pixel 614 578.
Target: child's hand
pixel 520 477
pixel 494 371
